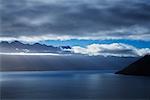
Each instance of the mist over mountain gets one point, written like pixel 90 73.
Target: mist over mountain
pixel 62 62
pixel 13 62
pixel 112 49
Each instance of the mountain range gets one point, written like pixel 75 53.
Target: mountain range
pixel 16 46
pixel 61 62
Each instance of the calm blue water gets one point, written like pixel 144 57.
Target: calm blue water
pixel 72 85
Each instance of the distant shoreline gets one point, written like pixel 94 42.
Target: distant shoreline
pixel 57 70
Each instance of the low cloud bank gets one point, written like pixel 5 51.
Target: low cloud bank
pixel 114 49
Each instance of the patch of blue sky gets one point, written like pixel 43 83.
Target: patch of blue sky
pixel 75 42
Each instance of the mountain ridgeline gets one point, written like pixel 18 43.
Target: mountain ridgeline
pixel 140 67
pixel 17 46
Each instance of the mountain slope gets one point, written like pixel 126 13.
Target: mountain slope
pixel 140 67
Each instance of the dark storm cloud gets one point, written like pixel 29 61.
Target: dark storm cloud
pixel 76 19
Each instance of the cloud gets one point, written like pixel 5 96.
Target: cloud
pixel 34 54
pixel 114 49
pixel 36 20
pixel 132 33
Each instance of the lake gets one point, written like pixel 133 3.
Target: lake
pixel 72 85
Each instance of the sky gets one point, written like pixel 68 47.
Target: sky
pixel 85 25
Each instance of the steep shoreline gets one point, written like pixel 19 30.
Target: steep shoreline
pixel 140 67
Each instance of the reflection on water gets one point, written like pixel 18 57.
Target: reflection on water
pixel 72 85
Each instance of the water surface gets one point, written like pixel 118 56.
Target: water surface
pixel 72 85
